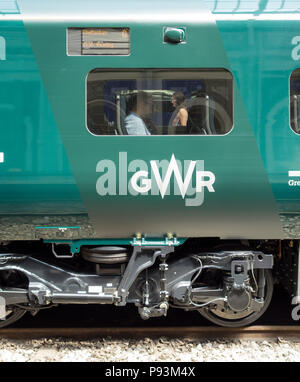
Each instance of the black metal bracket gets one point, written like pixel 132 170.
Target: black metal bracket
pixel 141 258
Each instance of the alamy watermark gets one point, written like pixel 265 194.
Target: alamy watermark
pixel 154 178
pixel 296 309
pixel 2 49
pixel 2 308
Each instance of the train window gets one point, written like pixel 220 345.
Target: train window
pixel 159 102
pixel 295 100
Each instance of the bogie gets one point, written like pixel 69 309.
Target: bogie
pixel 228 287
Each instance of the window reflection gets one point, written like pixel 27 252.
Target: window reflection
pixel 159 102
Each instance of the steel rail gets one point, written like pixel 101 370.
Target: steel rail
pixel 203 332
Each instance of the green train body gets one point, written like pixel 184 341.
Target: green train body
pixel 63 183
pixel 48 177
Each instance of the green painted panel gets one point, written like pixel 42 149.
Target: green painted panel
pixel 242 204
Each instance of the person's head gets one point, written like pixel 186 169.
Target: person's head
pixel 140 103
pixel 178 99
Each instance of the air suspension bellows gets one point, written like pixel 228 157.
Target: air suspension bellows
pixel 108 259
pixel 105 255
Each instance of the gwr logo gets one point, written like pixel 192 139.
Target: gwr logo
pixel 155 179
pixel 2 49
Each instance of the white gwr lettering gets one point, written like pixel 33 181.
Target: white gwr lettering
pixel 145 182
pixel 157 181
pixel 173 168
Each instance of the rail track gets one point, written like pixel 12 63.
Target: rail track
pixel 207 332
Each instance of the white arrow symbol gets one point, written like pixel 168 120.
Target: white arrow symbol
pixel 1 157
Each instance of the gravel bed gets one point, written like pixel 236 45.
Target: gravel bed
pixel 148 350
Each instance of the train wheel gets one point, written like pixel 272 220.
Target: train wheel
pixel 13 314
pixel 233 319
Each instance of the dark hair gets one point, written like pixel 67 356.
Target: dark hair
pixel 135 97
pixel 179 99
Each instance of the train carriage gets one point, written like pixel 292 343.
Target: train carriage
pixel 149 154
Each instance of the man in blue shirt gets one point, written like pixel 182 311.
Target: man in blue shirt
pixel 140 107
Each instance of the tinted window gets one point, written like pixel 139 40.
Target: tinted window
pixel 159 102
pixel 295 101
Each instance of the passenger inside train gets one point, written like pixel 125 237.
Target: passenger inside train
pixel 181 114
pixel 139 108
pixel 159 102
